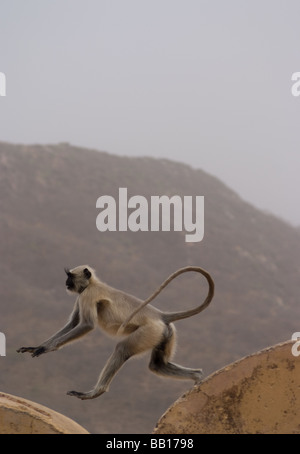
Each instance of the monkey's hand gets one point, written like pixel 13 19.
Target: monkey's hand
pixel 26 349
pixel 35 351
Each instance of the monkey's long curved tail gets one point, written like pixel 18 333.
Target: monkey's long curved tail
pixel 169 317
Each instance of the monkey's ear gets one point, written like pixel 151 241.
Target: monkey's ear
pixel 67 271
pixel 87 273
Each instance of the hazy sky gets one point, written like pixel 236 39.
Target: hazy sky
pixel 206 82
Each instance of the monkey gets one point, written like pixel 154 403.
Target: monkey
pixel 141 326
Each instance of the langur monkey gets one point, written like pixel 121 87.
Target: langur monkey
pixel 142 326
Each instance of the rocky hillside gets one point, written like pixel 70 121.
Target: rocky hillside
pixel 48 221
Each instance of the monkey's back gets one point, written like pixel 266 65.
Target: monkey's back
pixel 117 306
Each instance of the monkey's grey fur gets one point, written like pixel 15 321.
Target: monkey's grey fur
pixel 143 326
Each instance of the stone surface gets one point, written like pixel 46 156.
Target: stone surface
pixel 257 394
pixel 21 416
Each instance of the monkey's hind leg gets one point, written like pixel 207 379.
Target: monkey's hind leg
pixel 139 341
pixel 160 365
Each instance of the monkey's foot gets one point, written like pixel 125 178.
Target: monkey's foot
pixel 198 376
pixel 85 396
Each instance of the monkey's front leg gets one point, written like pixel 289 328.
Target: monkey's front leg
pixel 58 340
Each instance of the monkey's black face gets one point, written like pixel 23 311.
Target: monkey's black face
pixel 70 283
pixel 70 280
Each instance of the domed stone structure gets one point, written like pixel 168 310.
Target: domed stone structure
pixel 21 416
pixel 257 394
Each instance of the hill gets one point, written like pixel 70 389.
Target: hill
pixel 48 222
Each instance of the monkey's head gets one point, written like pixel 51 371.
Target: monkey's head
pixel 78 278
